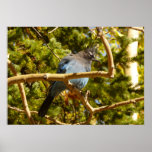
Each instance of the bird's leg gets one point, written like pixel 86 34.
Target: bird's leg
pixel 81 93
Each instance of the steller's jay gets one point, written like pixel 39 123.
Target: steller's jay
pixel 73 63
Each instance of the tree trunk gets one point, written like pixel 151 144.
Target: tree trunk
pixel 132 70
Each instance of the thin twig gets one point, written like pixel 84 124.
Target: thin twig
pixel 35 112
pixel 92 30
pixel 53 52
pixel 53 30
pixel 40 35
pixel 107 107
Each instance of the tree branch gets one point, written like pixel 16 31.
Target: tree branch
pixel 101 35
pixel 95 110
pixel 55 77
pixel 108 50
pixel 108 107
pixel 23 96
pixel 92 30
pixel 137 28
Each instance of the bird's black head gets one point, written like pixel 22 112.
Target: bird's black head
pixel 90 53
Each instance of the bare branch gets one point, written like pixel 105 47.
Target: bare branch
pixel 95 110
pixel 137 28
pixel 23 96
pixel 55 77
pixel 109 53
pixel 53 52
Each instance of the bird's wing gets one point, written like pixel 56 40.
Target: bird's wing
pixel 63 65
pixel 73 64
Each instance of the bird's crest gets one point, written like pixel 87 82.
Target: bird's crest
pixel 91 52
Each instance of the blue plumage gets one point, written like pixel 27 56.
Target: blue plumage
pixel 73 63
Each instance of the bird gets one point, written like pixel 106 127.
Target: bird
pixel 72 63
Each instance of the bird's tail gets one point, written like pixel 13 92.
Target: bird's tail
pixel 45 106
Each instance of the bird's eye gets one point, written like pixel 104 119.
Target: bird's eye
pixel 91 54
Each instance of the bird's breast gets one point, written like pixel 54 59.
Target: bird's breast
pixel 79 83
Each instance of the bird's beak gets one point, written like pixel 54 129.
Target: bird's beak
pixel 95 60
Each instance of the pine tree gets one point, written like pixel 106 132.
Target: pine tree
pixel 30 50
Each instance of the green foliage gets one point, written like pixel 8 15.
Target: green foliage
pixel 29 54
